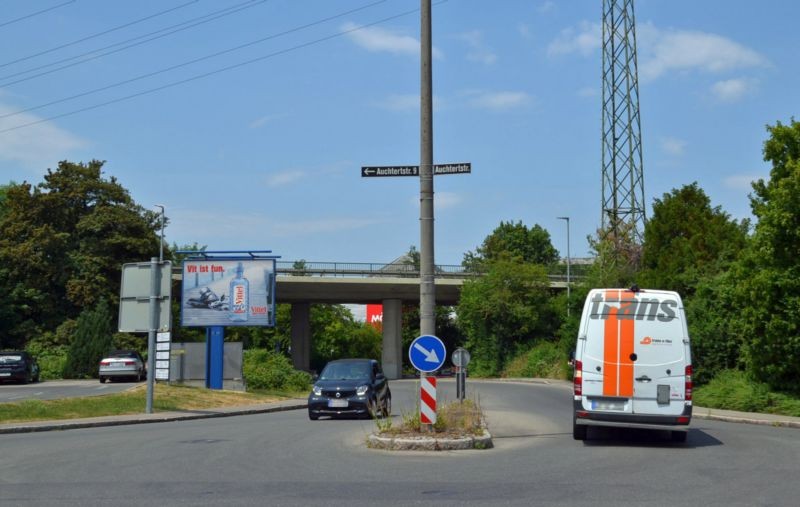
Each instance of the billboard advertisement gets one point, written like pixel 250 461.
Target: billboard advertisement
pixel 228 292
pixel 375 316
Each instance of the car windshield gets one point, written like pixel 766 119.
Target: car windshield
pixel 10 358
pixel 346 371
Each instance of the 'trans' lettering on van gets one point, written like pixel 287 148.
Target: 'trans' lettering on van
pixel 631 309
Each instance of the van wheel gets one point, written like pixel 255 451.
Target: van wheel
pixel 578 430
pixel 679 436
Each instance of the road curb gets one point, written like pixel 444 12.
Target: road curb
pixel 764 420
pixel 422 443
pixel 34 427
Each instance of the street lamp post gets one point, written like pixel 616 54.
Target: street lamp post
pixel 568 261
pixel 161 243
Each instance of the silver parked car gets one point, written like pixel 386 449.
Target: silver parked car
pixel 122 364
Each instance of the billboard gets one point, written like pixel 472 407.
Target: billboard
pixel 375 316
pixel 228 292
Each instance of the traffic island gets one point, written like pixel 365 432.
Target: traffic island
pixel 456 426
pixel 420 442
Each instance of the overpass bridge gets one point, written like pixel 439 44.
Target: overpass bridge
pixel 303 283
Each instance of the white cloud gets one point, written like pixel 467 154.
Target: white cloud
pixel 284 178
pixel 446 200
pixel 587 38
pixel 733 90
pixel 500 101
pixel 36 147
pixel 479 52
pixel 740 181
pixel 545 7
pixel 664 51
pixel 524 31
pixel 377 39
pixel 219 227
pixel 260 122
pixel 673 146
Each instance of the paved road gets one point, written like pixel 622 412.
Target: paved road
pixel 285 459
pixel 55 389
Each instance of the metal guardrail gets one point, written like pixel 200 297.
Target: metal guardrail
pixel 368 269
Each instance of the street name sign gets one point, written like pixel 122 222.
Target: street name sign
pixel 413 170
pixel 427 353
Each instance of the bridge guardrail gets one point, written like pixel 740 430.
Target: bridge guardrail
pixel 368 269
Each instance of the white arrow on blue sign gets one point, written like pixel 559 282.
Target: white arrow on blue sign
pixel 427 353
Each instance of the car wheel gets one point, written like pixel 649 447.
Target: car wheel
pixel 679 436
pixel 313 417
pixel 578 430
pixel 387 406
pixel 372 409
pixel 102 380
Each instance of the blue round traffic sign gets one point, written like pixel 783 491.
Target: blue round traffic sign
pixel 427 353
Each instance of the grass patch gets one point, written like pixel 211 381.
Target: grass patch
pixel 733 390
pixel 453 419
pixel 165 398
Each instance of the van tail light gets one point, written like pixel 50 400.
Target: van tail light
pixel 577 379
pixel 687 395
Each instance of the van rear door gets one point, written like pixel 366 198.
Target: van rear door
pixel 606 365
pixel 661 354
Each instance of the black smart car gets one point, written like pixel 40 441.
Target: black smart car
pixel 18 366
pixel 350 387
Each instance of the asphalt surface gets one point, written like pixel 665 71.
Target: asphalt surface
pixel 299 404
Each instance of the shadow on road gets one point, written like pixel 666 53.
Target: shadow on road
pixel 602 437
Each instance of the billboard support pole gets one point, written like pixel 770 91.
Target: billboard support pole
pixel 215 351
pixel 151 333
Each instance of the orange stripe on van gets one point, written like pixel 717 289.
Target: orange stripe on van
pixel 611 347
pixel 625 372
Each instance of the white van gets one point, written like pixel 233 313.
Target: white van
pixel 633 365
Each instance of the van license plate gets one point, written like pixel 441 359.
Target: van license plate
pixel 607 405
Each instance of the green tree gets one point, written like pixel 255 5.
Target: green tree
pixel 336 334
pixel 686 240
pixel 508 307
pixel 93 339
pixel 617 259
pixel 513 241
pixel 62 244
pixel 768 282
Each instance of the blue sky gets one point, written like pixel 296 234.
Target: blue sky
pixel 261 147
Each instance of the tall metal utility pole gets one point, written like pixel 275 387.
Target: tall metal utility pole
pixel 623 212
pixel 427 289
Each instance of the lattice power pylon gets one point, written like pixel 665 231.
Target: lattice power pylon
pixel 623 211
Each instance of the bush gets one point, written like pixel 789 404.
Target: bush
pixel 734 390
pixel 264 369
pixel 92 339
pixel 546 359
pixel 50 357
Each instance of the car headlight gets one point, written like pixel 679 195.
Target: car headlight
pixel 362 390
pixel 317 390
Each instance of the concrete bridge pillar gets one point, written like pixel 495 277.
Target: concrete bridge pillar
pixel 301 336
pixel 392 355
